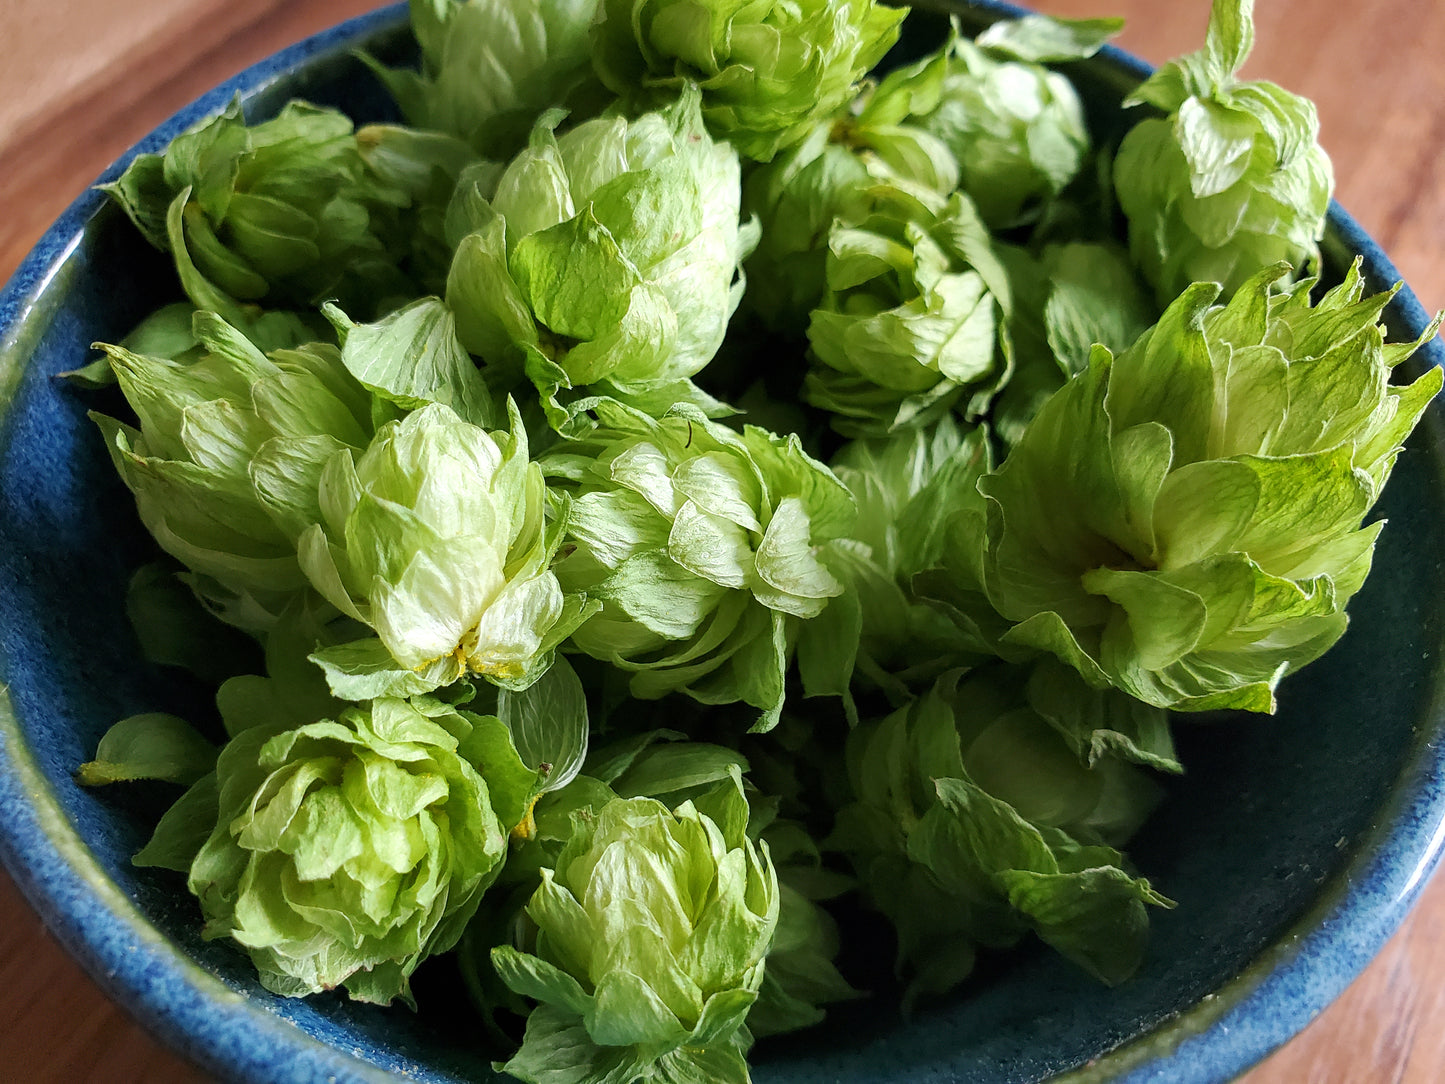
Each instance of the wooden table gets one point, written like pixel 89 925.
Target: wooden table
pixel 83 79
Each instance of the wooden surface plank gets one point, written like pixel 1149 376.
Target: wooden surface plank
pixel 59 148
pixel 1371 66
pixel 55 61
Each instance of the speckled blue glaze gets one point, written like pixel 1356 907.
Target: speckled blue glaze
pixel 1294 845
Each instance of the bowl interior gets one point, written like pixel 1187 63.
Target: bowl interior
pixel 1316 817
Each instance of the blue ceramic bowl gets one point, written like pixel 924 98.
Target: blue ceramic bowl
pixel 1294 845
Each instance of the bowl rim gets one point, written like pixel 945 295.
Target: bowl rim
pixel 192 1011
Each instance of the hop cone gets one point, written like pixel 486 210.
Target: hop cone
pixel 1233 181
pixel 912 318
pixel 651 937
pixel 1184 521
pixel 226 462
pixel 346 851
pixel 975 821
pixel 704 547
pixel 766 69
pixel 535 55
pixel 606 257
pixel 434 536
pixel 282 213
pixel 1016 128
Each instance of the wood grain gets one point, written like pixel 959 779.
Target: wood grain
pixel 1372 67
pixel 56 151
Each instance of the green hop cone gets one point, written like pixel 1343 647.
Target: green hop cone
pixel 975 822
pixel 1016 128
pixel 435 537
pixel 913 319
pixel 1184 521
pixel 829 175
pixel 535 55
pixel 651 937
pixel 766 69
pixel 280 214
pixel 923 126
pixel 704 546
pixel 1233 180
pixel 225 464
pixel 800 975
pixel 346 851
pixel 607 257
